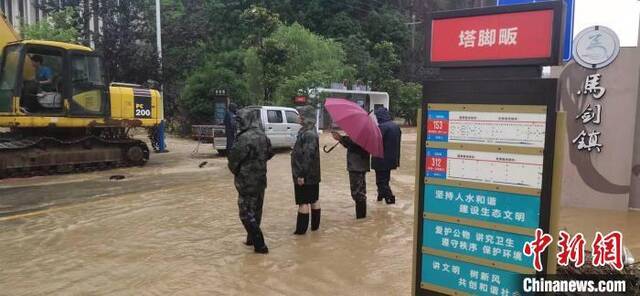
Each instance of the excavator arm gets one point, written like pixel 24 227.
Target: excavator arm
pixel 7 33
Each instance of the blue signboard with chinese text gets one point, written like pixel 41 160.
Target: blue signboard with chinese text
pixel 468 277
pixel 568 30
pixel 474 241
pixel 489 206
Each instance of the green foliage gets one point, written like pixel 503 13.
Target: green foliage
pixel 58 27
pixel 409 98
pixel 385 61
pixel 312 61
pixel 259 23
pixel 388 25
pixel 127 42
pixel 272 56
pixel 405 98
pixel 222 71
pixel 291 61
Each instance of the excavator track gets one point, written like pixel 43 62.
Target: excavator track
pixel 34 156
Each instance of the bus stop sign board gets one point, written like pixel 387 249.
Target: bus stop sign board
pixel 486 150
pixel 509 35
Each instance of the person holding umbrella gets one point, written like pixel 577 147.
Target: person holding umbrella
pixel 363 139
pixel 391 137
pixel 305 168
pixel 358 164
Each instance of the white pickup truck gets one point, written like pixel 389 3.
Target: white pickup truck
pixel 280 124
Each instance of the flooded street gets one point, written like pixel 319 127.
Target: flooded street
pixel 173 228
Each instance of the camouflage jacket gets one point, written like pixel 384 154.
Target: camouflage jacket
pixel 248 157
pixel 358 159
pixel 305 157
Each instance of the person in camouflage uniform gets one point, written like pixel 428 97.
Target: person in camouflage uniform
pixel 358 164
pixel 248 163
pixel 305 168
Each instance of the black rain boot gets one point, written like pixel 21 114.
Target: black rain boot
pixel 255 235
pixel 249 241
pixel 390 200
pixel 302 223
pixel 380 198
pixel 258 243
pixel 315 219
pixel 361 209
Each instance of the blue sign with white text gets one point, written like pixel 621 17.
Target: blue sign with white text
pixel 468 277
pixel 568 19
pixel 483 243
pixel 437 125
pixel 489 206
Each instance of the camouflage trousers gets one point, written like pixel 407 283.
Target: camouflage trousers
pixel 358 186
pixel 250 206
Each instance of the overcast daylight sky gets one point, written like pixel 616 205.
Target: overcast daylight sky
pixel 622 16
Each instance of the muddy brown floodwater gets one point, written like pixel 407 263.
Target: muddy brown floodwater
pixel 172 228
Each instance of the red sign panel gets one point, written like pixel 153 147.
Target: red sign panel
pixel 300 99
pixel 437 164
pixel 438 126
pixel 506 36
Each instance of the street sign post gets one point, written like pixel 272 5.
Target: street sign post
pixel 487 143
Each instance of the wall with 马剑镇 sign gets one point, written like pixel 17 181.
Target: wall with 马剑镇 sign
pixel 606 176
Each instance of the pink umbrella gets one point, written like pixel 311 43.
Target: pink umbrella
pixel 355 121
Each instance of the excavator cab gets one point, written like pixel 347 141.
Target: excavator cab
pixel 54 79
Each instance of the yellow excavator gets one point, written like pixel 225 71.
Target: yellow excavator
pixel 59 114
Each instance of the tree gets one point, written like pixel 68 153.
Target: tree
pixel 59 26
pixel 293 60
pixel 384 64
pixel 409 99
pixel 388 25
pixel 126 38
pixel 221 71
pixel 259 23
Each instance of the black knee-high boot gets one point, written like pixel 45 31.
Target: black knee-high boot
pixel 315 219
pixel 361 209
pixel 255 234
pixel 302 223
pixel 258 243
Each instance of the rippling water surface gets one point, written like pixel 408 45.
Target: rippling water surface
pixel 173 228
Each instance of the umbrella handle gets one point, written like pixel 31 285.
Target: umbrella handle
pixel 324 148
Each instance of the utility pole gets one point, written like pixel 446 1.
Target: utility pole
pixel 158 34
pixel 160 129
pixel 413 24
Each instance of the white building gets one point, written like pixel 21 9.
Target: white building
pixel 26 12
pixel 20 12
pixel 367 99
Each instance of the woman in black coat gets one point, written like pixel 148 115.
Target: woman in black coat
pixel 391 139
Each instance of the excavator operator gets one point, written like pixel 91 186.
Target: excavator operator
pixel 41 95
pixel 44 74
